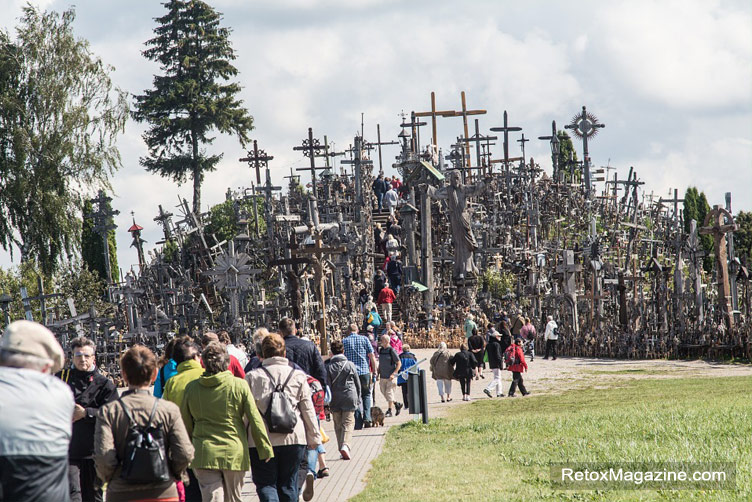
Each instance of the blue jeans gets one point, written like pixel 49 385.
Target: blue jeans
pixel 312 456
pixel 365 392
pixel 380 198
pixel 277 479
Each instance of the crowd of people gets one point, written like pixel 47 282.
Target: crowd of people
pixel 192 424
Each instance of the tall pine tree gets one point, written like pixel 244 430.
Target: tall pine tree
pixel 193 96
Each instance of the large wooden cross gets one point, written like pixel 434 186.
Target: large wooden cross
pixel 718 230
pixel 317 253
pixel 464 114
pixel 433 114
pixel 477 138
pixel 310 148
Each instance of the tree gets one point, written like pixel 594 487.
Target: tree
pixel 743 237
pixel 223 218
pixel 696 207
pixel 91 247
pixel 193 96
pixel 59 120
pixel 566 150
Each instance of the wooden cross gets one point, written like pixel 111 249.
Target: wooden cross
pixel 379 143
pixel 310 147
pixel 718 230
pixel 257 159
pixel 464 113
pixel 433 114
pixel 317 252
pixel 477 138
pixel 506 129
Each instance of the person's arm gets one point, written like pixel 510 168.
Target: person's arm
pixel 185 412
pixel 356 378
pixel 399 365
pixel 105 455
pixel 180 446
pixel 318 370
pixel 106 394
pixel 307 412
pixel 256 424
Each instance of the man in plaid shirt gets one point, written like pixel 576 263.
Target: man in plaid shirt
pixel 359 351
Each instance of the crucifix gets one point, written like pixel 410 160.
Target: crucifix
pixel 568 270
pixel 477 138
pixel 585 125
pixel 310 147
pixel 719 228
pixel 433 114
pixel 506 129
pixel 233 273
pixel 257 159
pixel 103 223
pixel 165 220
pixel 379 144
pixel 522 142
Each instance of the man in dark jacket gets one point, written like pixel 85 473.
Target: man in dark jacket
pixel 394 272
pixel 380 187
pixel 302 352
pixel 464 365
pixel 495 362
pixel 91 390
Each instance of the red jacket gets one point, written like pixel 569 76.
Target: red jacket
pixel 520 356
pixel 386 296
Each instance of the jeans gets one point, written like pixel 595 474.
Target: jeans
pixel 445 387
pixel 277 479
pixel 465 385
pixel 312 456
pixel 496 382
pixel 517 382
pixel 380 198
pixel 365 392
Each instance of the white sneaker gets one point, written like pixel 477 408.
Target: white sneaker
pixel 308 490
pixel 345 452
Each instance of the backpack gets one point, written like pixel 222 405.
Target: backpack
pixel 318 395
pixel 145 459
pixel 374 319
pixel 280 416
pixel 510 356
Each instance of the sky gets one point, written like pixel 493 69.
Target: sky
pixel 671 80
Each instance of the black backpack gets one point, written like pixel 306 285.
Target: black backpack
pixel 145 459
pixel 280 416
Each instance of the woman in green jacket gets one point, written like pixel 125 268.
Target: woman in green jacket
pixel 213 410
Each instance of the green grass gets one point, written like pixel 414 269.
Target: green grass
pixel 501 449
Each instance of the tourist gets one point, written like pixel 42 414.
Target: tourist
pixel 495 362
pixel 389 366
pixel 346 396
pixel 373 319
pixel 35 425
pixel 137 407
pixel 379 282
pixel 315 456
pixel 385 301
pixel 477 346
pixel 394 341
pixel 390 200
pixel 277 479
pixel 394 273
pixel 186 355
pixel 506 336
pixel 302 352
pixel 551 337
pixel 167 368
pixel 91 390
pixel 395 229
pixel 215 408
pixel 380 187
pixel 469 325
pixel 232 349
pixel 518 324
pixel 234 365
pixel 359 351
pixel 378 237
pixel 396 183
pixel 391 247
pixel 442 370
pixel 363 299
pixel 515 359
pixel 528 333
pixel 407 361
pixel 464 366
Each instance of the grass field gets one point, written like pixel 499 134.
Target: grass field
pixel 501 449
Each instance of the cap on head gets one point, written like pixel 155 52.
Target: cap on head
pixel 27 337
pixel 369 328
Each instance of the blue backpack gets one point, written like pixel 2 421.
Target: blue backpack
pixel 374 319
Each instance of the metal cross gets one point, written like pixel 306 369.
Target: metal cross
pixel 309 148
pixel 257 159
pixel 506 129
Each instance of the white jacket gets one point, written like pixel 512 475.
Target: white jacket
pixel 391 198
pixel 550 327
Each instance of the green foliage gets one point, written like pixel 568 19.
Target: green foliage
pixel 192 97
pixel 743 236
pixel 649 420
pixel 223 218
pixel 171 251
pixel 499 284
pixel 59 120
pixel 696 207
pixel 91 247
pixel 566 149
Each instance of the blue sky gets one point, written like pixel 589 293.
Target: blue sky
pixel 672 81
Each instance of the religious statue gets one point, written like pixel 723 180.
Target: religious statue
pixel 456 194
